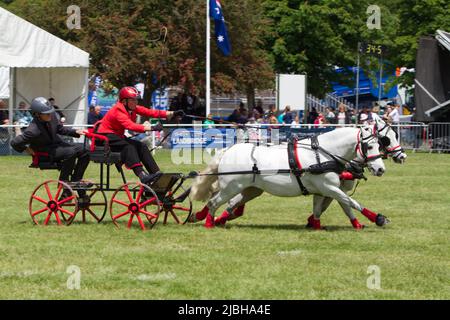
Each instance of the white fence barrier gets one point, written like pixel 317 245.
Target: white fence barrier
pixel 415 136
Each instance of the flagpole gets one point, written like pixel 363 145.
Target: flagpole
pixel 208 61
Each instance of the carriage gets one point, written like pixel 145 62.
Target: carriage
pixel 131 204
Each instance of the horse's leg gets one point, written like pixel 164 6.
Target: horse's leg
pixel 320 204
pixel 346 201
pixel 236 205
pixel 217 200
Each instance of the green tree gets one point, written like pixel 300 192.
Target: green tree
pixel 315 36
pixel 121 38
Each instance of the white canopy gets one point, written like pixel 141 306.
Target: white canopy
pixel 41 64
pixel 4 83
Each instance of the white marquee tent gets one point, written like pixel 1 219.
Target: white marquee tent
pixel 35 63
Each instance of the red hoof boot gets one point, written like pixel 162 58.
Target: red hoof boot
pixel 310 223
pixel 314 223
pixel 239 211
pixel 357 225
pixel 199 216
pixel 222 220
pixel 209 224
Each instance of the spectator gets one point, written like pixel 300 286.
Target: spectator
pixel 59 113
pixel 259 107
pixel 343 117
pixel 243 119
pixel 288 116
pixel 329 115
pixel 271 112
pixel 94 115
pixel 4 116
pixel 22 117
pixel 313 114
pixel 395 116
pixel 320 120
pixel 235 116
pixel 296 123
pixel 177 102
pixel 208 123
pixel 387 115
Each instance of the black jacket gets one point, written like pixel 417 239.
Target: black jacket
pixel 41 139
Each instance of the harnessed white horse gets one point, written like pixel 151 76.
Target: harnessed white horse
pixel 225 178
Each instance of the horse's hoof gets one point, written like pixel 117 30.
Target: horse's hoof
pixel 381 220
pixel 356 225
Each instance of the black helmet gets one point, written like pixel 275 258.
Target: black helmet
pixel 41 105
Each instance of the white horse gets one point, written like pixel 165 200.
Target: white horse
pixel 390 146
pixel 228 176
pixel 388 139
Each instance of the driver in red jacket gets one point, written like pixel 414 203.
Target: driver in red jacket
pixel 122 116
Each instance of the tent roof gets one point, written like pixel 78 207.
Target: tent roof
pixel 23 45
pixel 443 38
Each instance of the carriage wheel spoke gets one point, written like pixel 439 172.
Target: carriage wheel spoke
pixel 145 203
pixel 48 218
pixel 48 191
pixel 181 208
pixel 92 194
pixel 141 191
pixel 66 200
pixel 141 223
pixel 40 199
pixel 96 204
pixel 57 218
pixel 38 212
pixel 58 192
pixel 120 215
pixel 175 216
pixel 93 214
pixel 130 197
pixel 83 215
pixel 149 214
pixel 120 202
pixel 130 221
pixel 67 212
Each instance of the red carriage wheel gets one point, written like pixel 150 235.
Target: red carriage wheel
pixel 177 205
pixel 92 206
pixel 134 202
pixel 52 199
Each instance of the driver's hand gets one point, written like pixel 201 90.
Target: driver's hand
pixel 81 132
pixel 147 126
pixel 29 151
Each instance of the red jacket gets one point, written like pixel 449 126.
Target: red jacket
pixel 118 119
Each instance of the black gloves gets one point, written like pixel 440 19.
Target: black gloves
pixel 157 127
pixel 179 113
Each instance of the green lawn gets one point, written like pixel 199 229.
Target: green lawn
pixel 267 254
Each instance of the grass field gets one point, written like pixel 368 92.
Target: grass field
pixel 267 254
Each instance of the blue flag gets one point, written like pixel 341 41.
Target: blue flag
pixel 220 30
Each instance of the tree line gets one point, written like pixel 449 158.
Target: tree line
pixel 162 42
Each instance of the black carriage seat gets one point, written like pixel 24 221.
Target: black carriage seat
pixel 99 150
pixel 102 154
pixel 42 161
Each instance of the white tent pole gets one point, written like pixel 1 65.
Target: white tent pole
pixel 12 94
pixel 208 61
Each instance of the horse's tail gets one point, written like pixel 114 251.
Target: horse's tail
pixel 204 186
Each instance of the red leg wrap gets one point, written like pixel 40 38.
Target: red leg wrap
pixel 209 221
pixel 239 211
pixel 201 215
pixel 223 218
pixel 372 216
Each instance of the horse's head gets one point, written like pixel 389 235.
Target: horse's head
pixel 388 140
pixel 368 150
